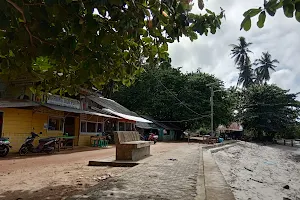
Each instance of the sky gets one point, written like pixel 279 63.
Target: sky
pixel 280 37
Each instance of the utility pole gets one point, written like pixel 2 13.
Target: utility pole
pixel 212 92
pixel 212 109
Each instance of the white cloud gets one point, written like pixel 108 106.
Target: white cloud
pixel 280 37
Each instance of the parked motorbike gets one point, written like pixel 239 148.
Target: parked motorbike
pixel 4 146
pixel 153 137
pixel 46 145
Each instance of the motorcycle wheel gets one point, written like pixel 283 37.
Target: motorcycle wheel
pixel 23 151
pixel 4 151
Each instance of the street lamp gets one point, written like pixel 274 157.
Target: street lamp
pixel 212 91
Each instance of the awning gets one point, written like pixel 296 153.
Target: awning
pixel 100 114
pixel 129 117
pixel 17 103
pixel 145 125
pixel 74 110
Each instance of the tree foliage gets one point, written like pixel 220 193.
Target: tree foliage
pixel 240 51
pixel 267 109
pixel 264 65
pixel 247 75
pixel 241 58
pixel 70 43
pixel 291 8
pixel 168 95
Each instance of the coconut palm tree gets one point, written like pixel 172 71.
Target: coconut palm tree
pixel 240 51
pixel 264 65
pixel 246 77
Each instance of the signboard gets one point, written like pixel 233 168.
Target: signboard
pixel 63 101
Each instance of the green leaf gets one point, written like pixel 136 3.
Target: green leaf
pixel 147 39
pixel 11 54
pixel 297 15
pixel 271 12
pixel 261 19
pixel 209 11
pixel 252 12
pixel 279 5
pixel 246 24
pixel 289 10
pixel 164 47
pixel 213 30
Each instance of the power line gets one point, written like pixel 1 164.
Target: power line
pixel 187 119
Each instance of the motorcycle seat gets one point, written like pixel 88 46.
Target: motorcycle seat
pixel 3 139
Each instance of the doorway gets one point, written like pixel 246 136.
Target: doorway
pixel 1 123
pixel 70 126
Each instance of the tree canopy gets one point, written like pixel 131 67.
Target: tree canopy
pixel 69 43
pixel 267 109
pixel 291 8
pixel 166 94
pixel 247 75
pixel 264 65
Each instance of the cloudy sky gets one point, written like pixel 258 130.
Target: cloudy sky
pixel 280 36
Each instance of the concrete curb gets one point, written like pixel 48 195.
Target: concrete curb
pixel 201 179
pixel 211 184
pixel 214 150
pixel 219 144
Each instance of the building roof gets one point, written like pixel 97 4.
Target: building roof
pixel 111 105
pixel 16 103
pixel 173 126
pixel 114 108
pixel 129 117
pixel 145 125
pixel 234 126
pixel 74 110
pixel 159 124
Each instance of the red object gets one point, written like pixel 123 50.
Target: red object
pixel 153 137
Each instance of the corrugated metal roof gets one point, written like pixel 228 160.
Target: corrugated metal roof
pixel 129 117
pixel 16 103
pixel 111 105
pixel 74 110
pixel 157 123
pixel 145 125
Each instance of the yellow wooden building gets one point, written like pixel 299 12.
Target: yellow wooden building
pixel 21 113
pixel 19 118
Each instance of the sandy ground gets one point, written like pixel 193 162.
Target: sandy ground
pixel 58 176
pixel 257 172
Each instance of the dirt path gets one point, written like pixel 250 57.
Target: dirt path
pixel 58 176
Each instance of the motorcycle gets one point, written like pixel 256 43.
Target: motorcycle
pixel 153 137
pixel 4 146
pixel 46 145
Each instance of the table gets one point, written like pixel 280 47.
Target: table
pixel 64 141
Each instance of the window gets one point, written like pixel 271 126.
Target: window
pixel 55 124
pixel 91 127
pixel 83 127
pixel 121 126
pixel 100 128
pixel 128 127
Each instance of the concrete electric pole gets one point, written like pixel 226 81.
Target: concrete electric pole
pixel 212 92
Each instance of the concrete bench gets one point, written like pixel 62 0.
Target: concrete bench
pixel 130 147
